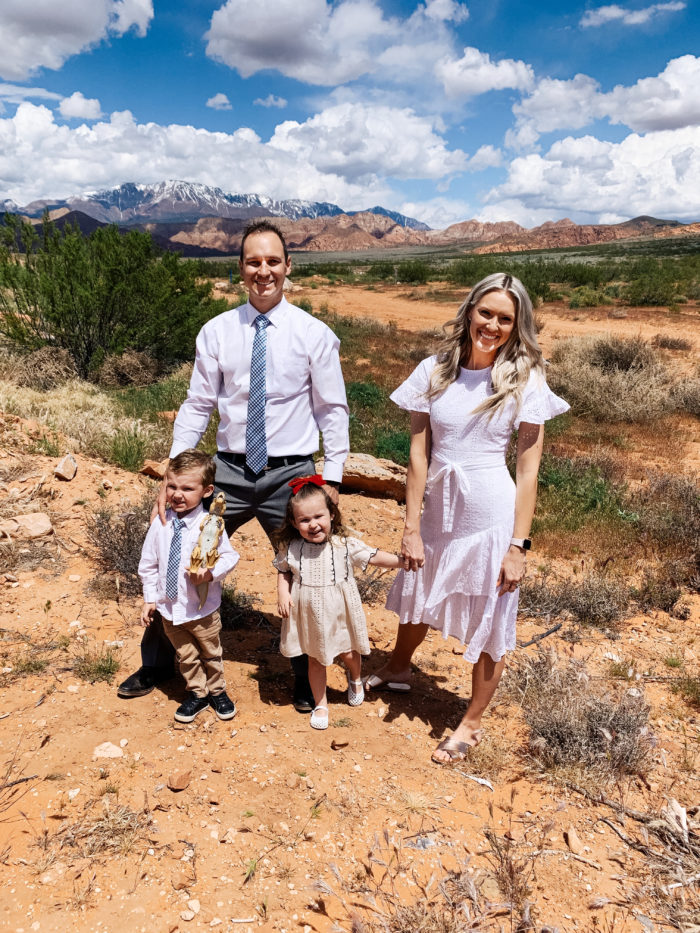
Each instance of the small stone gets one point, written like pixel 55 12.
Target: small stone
pixel 358 769
pixel 72 794
pixel 107 750
pixel 292 781
pixel 107 484
pixel 284 827
pixel 572 840
pixel 634 692
pixel 263 728
pixel 194 905
pixel 187 915
pixel 74 578
pixel 10 578
pixel 33 525
pixel 123 743
pixel 66 468
pixel 73 688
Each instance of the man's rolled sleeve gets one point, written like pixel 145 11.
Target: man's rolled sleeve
pixel 330 404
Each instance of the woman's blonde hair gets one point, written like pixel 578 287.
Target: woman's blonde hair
pixel 514 361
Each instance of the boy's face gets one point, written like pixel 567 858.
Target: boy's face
pixel 185 491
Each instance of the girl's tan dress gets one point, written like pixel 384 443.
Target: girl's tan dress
pixel 326 616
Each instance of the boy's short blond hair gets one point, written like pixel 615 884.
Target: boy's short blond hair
pixel 191 460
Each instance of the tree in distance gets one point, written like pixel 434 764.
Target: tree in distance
pixel 98 295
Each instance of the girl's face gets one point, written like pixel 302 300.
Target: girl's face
pixel 311 518
pixel 491 322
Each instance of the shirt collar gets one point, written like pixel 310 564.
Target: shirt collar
pixel 192 517
pixel 274 315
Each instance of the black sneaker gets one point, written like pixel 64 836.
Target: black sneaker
pixel 191 707
pixel 223 705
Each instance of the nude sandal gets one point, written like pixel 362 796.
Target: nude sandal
pixel 319 718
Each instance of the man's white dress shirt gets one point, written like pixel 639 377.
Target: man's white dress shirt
pixel 303 383
pixel 153 567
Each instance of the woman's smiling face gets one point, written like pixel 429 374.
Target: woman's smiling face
pixel 491 322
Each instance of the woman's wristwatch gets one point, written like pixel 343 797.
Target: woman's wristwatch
pixel 524 543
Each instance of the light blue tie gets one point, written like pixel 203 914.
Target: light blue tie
pixel 173 571
pixel 255 440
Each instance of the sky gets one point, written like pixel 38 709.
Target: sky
pixel 443 110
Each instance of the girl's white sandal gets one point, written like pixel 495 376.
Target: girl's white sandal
pixel 356 692
pixel 319 718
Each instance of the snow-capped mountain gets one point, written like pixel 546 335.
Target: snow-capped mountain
pixel 186 202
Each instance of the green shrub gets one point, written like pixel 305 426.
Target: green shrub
pixel 413 272
pixel 365 394
pixel 128 449
pixel 393 445
pixel 585 297
pixel 98 295
pixel 573 491
pixel 305 305
pixel 98 664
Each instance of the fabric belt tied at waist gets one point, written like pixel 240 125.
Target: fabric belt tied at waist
pixel 450 473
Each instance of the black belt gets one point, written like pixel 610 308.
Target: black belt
pixel 272 462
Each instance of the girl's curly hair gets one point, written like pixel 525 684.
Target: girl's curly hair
pixel 287 532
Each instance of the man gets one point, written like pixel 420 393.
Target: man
pixel 273 372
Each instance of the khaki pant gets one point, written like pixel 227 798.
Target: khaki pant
pixel 199 653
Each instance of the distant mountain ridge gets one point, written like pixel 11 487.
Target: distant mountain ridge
pixel 187 202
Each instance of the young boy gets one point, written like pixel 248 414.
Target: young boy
pixel 171 590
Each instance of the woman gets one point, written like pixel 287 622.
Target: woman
pixel 468 549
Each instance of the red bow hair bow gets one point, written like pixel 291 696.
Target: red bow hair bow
pixel 300 481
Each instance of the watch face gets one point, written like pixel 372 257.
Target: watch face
pixel 527 544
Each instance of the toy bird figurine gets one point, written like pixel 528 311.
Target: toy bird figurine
pixel 205 552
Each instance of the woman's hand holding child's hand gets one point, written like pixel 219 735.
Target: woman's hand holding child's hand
pixel 412 551
pixel 147 611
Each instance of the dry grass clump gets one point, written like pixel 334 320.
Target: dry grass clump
pixel 373 585
pixel 660 588
pixel 130 368
pixel 594 599
pixel 118 538
pixel 669 517
pixel 669 342
pixel 116 831
pixel 573 723
pixel 686 396
pixel 41 369
pixel 454 903
pixel 618 379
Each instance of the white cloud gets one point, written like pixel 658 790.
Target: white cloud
pixel 310 40
pixel 669 100
pixel 446 11
pixel 614 13
pixel 219 102
pixel 485 157
pixel 310 160
pixel 44 33
pixel 475 73
pixel 354 139
pixel 15 94
pixel 79 107
pixel 270 101
pixel 657 174
pixel 438 213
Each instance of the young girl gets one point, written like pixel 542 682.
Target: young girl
pixel 317 595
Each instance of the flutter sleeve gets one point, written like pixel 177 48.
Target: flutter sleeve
pixel 539 403
pixel 411 394
pixel 359 553
pixel 281 561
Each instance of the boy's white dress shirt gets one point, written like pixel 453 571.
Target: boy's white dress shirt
pixel 303 384
pixel 153 568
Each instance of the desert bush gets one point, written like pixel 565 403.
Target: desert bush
pixel 669 342
pixel 304 304
pixel 96 664
pixel 127 448
pixel 689 689
pixel 669 516
pixel 380 272
pixel 686 396
pixel 661 588
pixel 594 599
pixel 585 297
pixel 98 294
pixel 117 538
pixel 413 272
pixel 129 368
pixel 573 723
pixel 145 403
pixel 610 378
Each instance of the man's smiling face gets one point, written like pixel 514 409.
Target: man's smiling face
pixel 264 269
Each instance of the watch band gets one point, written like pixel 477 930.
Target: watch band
pixel 524 543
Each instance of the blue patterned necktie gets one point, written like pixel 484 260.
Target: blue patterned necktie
pixel 255 440
pixel 173 571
